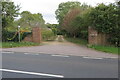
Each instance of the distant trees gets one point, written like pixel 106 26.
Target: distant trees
pixel 29 20
pixel 53 27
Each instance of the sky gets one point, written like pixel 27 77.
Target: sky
pixel 48 7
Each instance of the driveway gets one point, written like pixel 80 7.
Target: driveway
pixel 63 48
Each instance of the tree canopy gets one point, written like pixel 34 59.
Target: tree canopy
pixel 9 12
pixel 29 20
pixel 64 8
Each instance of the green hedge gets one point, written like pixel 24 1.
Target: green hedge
pixel 47 34
pixel 6 35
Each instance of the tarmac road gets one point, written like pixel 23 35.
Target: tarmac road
pixel 36 65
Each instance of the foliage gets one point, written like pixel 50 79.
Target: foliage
pixel 47 34
pixel 29 20
pixel 64 8
pixel 75 22
pixel 70 16
pixel 18 44
pixel 9 12
pixel 9 35
pixel 13 36
pixel 53 27
pixel 77 41
pixel 106 19
pixel 108 49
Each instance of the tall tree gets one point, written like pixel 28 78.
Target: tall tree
pixel 64 8
pixel 105 19
pixel 70 16
pixel 76 20
pixel 9 12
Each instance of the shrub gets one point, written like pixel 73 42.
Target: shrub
pixel 47 34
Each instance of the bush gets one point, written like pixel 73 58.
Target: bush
pixel 47 34
pixel 12 36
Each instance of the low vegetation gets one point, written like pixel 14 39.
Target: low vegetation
pixel 107 49
pixel 17 44
pixel 48 35
pixel 77 41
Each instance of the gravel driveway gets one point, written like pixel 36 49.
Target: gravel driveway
pixel 63 48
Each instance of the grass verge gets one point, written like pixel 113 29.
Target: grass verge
pixel 77 41
pixel 17 44
pixel 107 49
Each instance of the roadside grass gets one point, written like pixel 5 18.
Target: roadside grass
pixel 17 44
pixel 77 41
pixel 107 49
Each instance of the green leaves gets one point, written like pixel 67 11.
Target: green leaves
pixel 64 8
pixel 103 17
pixel 9 12
pixel 29 20
pixel 106 19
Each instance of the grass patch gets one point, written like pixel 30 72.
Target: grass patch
pixel 77 41
pixel 17 44
pixel 108 49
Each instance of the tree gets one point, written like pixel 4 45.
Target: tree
pixel 75 21
pixel 64 8
pixel 81 22
pixel 70 16
pixel 9 12
pixel 53 27
pixel 29 20
pixel 105 19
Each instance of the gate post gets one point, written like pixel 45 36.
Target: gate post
pixel 36 35
pixel 92 36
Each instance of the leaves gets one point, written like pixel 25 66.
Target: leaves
pixel 29 20
pixel 64 8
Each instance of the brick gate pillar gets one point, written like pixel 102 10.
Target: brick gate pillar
pixel 36 35
pixel 92 36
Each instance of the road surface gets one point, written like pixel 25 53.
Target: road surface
pixel 36 65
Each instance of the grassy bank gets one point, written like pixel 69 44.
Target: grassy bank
pixel 17 44
pixel 107 49
pixel 77 41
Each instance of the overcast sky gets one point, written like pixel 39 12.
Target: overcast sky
pixel 48 7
